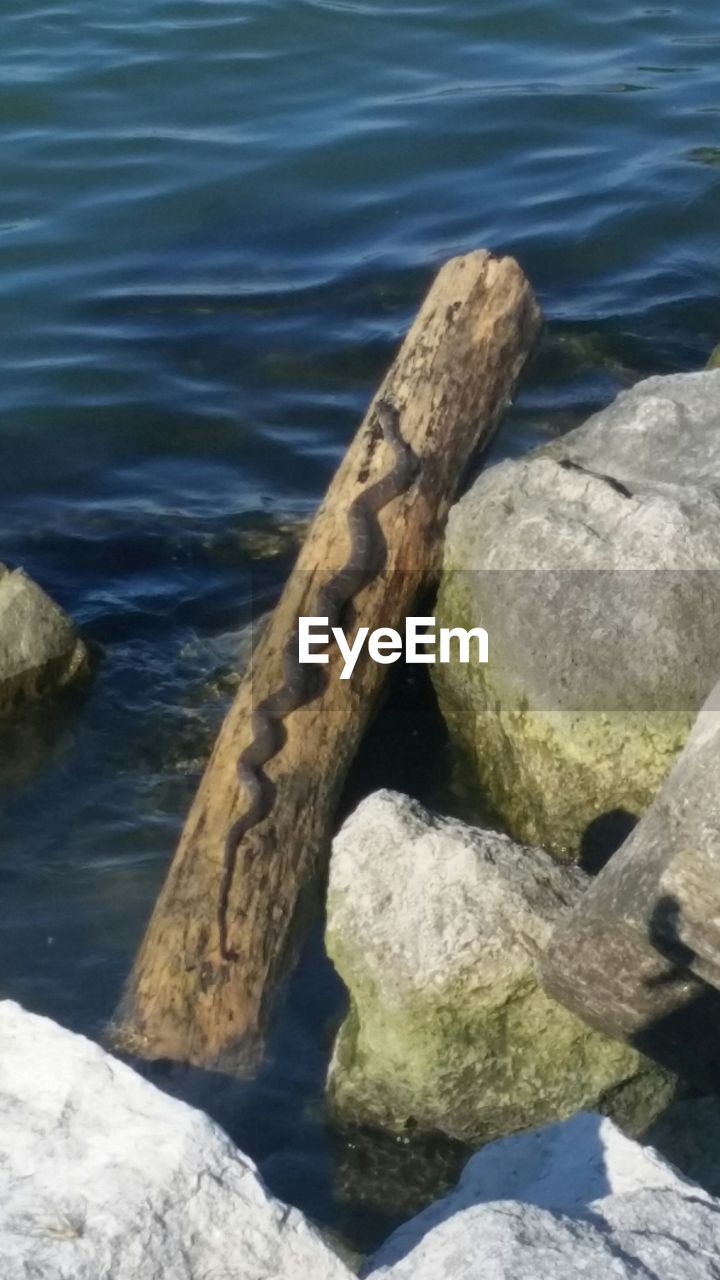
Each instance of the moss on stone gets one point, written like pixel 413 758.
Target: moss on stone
pixel 477 1063
pixel 548 774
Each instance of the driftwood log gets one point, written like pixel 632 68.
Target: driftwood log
pixel 451 381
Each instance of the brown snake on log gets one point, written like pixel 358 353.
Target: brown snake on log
pixel 301 686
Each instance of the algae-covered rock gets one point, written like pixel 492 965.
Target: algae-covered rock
pixel 435 927
pixel 594 566
pixel 40 649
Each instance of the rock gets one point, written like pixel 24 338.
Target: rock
pixel 576 1199
pixel 688 1134
pixel 435 928
pixel 395 1175
pixel 40 649
pixel 597 666
pixel 624 956
pixel 103 1175
pixel 269 538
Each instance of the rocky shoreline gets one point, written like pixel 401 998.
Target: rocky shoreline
pixel 101 1174
pixel 591 563
pixel 475 1009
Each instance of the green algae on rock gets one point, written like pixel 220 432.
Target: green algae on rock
pixel 548 774
pixel 594 565
pixel 41 651
pixel 434 927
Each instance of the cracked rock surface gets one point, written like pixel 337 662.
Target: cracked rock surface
pixel 594 565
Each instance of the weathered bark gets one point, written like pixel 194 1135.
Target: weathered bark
pixel 451 382
pixel 630 957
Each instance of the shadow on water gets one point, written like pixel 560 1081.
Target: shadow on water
pixel 404 748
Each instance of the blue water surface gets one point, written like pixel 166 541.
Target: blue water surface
pixel 217 218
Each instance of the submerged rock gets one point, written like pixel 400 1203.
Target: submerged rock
pixel 395 1174
pixel 40 649
pixel 576 1199
pixel 435 928
pixel 101 1174
pixel 593 564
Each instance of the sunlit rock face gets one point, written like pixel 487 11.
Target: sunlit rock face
pixel 575 1199
pixel 594 565
pixel 435 928
pixel 101 1174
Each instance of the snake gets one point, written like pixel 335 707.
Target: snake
pixel 300 686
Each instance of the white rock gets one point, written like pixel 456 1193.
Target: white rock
pixel 103 1176
pixel 425 894
pixel 586 1201
pixel 435 928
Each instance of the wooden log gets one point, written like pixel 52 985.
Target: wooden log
pixel 639 957
pixel 451 381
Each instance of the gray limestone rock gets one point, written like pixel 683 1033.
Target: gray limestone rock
pixel 435 928
pixel 594 565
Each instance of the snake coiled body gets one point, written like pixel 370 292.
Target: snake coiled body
pixel 300 685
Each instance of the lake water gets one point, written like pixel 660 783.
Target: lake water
pixel 217 219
